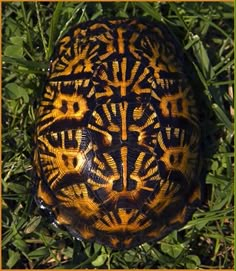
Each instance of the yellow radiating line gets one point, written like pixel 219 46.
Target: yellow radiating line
pixel 123 113
pixel 121 48
pixel 134 71
pixel 106 111
pixel 139 162
pixel 113 108
pixel 125 166
pixel 108 137
pixel 115 70
pixel 112 164
pixel 98 119
pixel 123 87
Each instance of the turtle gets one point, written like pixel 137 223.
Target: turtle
pixel 117 138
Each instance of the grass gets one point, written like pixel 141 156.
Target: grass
pixel 30 30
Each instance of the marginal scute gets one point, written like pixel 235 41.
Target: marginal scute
pixel 117 135
pixel 120 222
pixel 76 197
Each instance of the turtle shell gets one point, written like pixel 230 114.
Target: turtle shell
pixel 117 136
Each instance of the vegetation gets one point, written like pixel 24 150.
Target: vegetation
pixel 30 30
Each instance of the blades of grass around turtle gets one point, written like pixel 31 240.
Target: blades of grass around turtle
pixel 200 219
pixel 98 13
pixel 30 42
pixel 80 7
pixel 226 198
pixel 206 72
pixel 14 257
pixel 44 42
pixel 202 58
pixel 145 6
pixel 179 16
pixel 223 83
pixel 32 224
pixel 31 66
pixel 212 179
pixel 226 66
pixel 53 30
pixel 221 30
pixel 93 252
pixel 219 67
pixel 123 11
pixel 223 118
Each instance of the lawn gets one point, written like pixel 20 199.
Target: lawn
pixel 29 239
